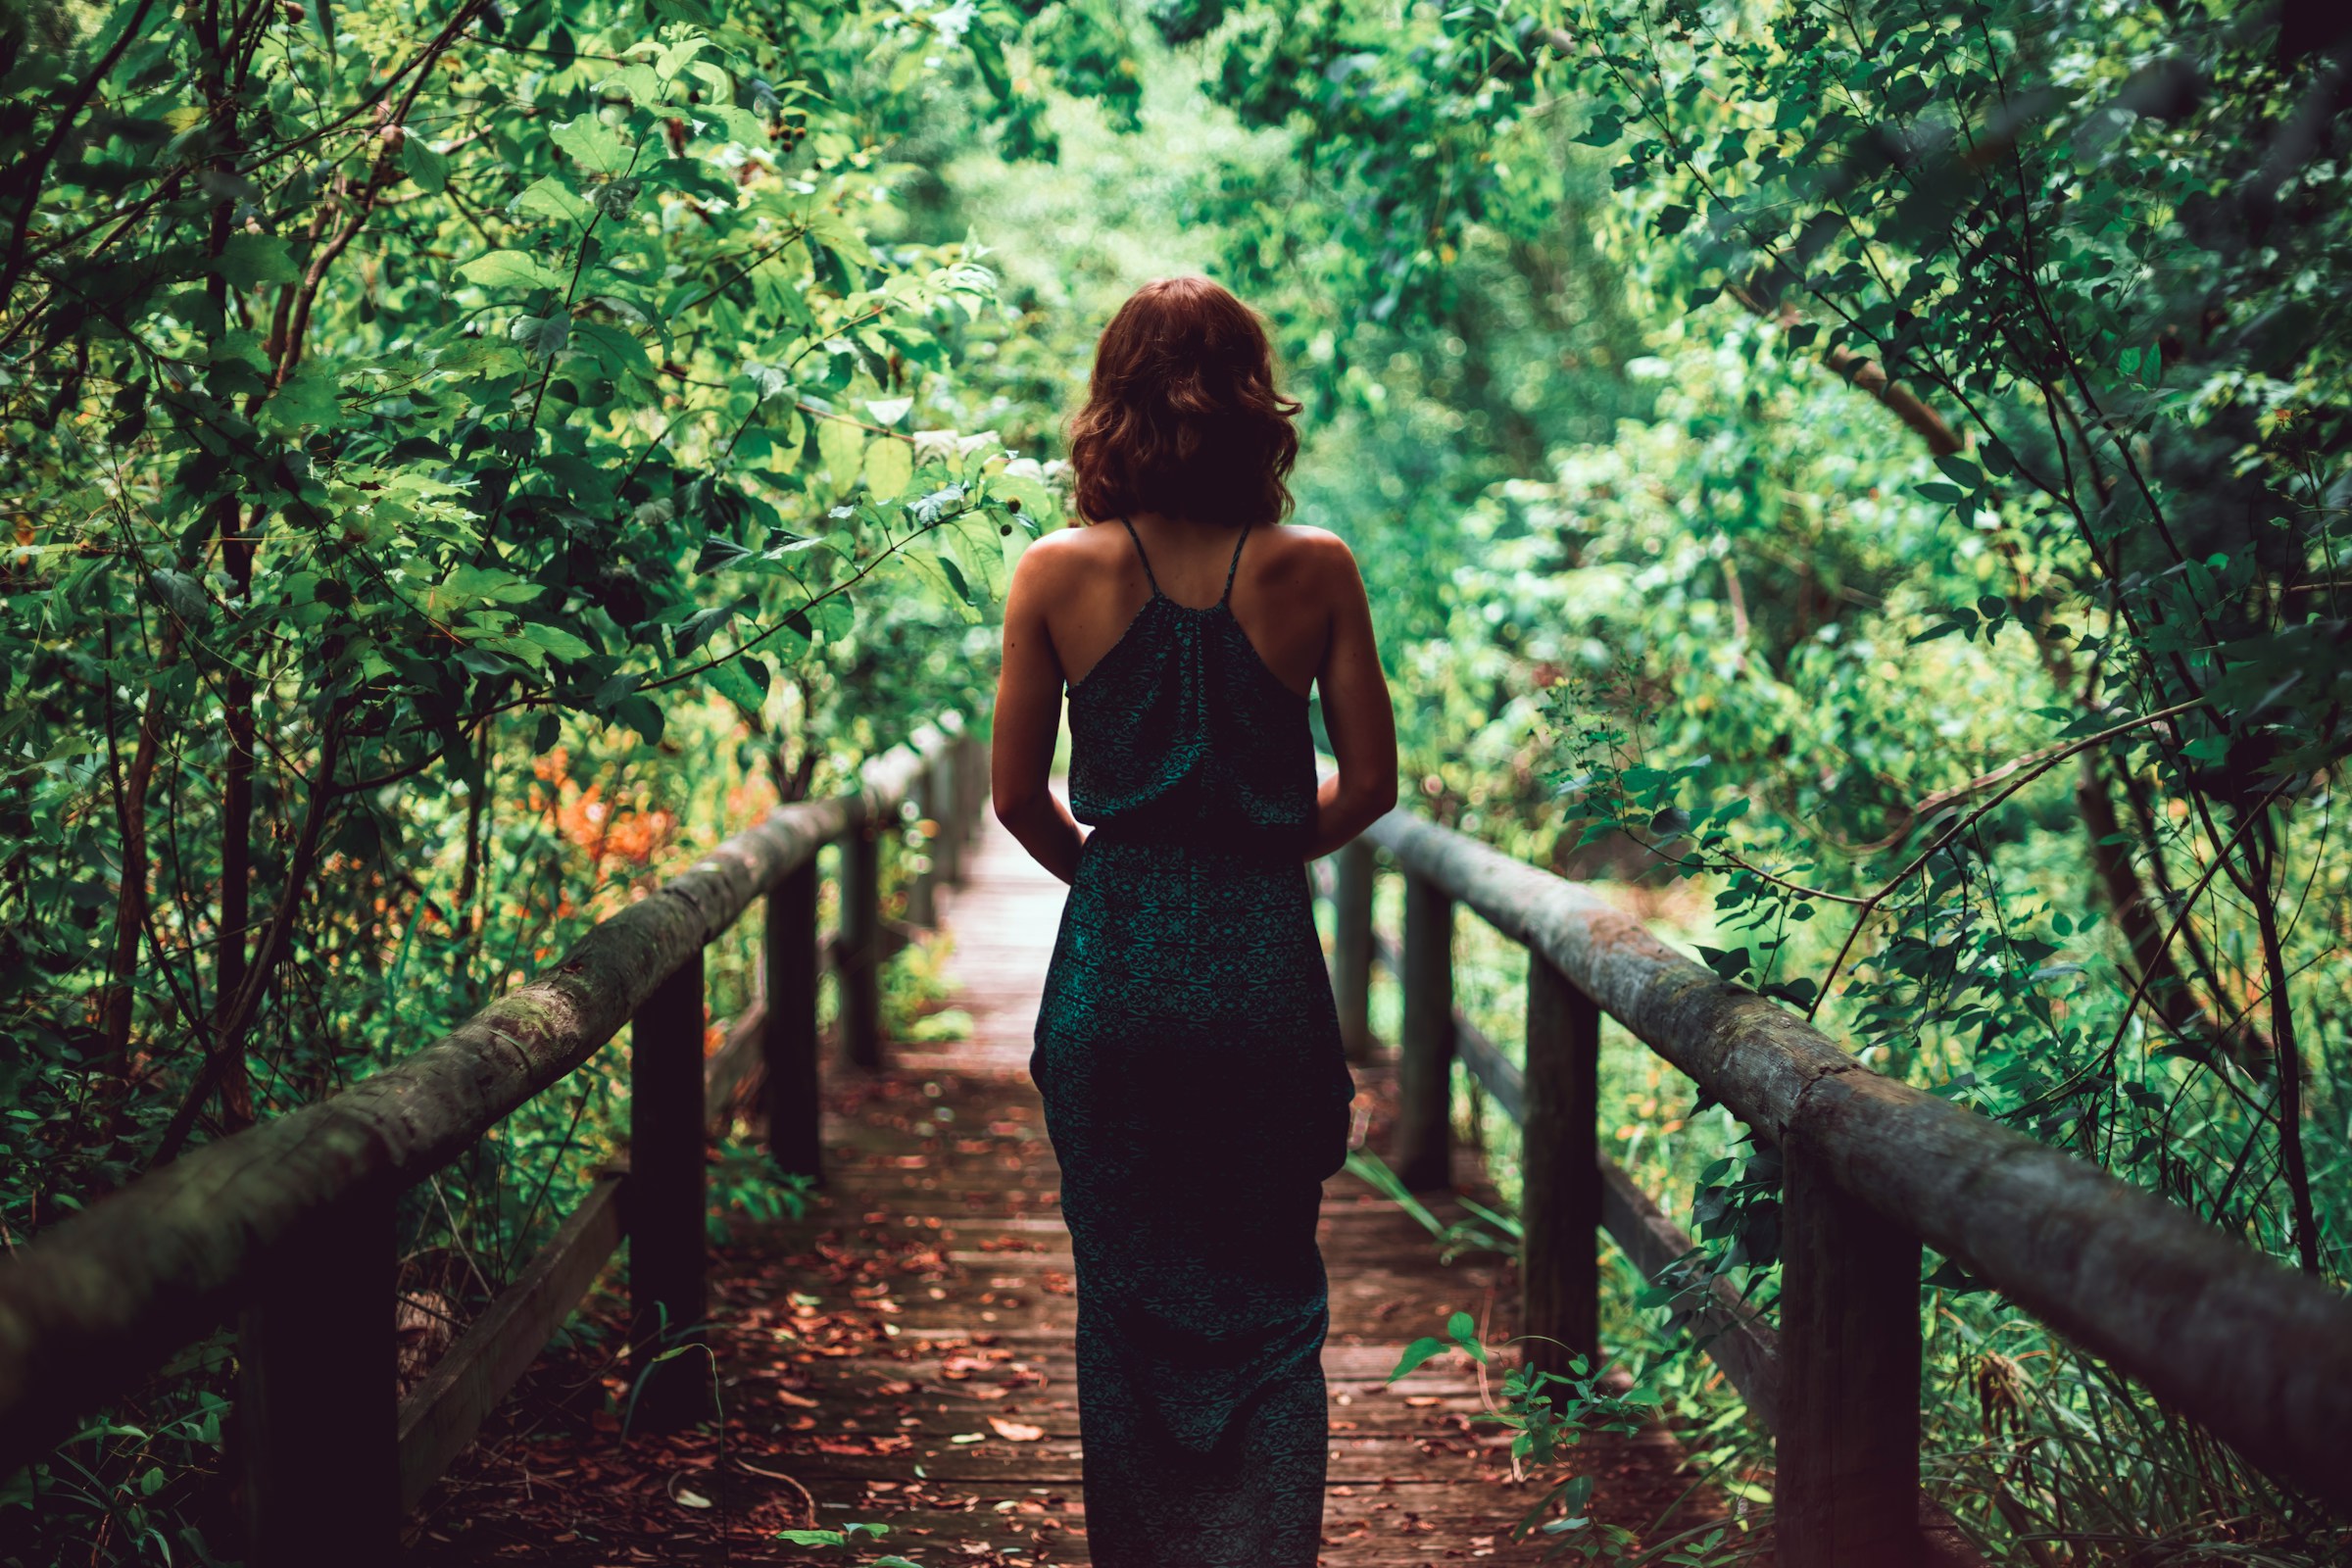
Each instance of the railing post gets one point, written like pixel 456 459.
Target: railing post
pixel 1425 1052
pixel 789 1047
pixel 1352 946
pixel 923 910
pixel 1848 1484
pixel 945 798
pixel 667 1203
pixel 1559 1204
pixel 318 1414
pixel 857 960
pixel 976 786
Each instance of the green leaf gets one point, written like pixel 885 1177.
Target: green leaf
pixel 511 269
pixel 743 681
pixel 699 629
pixel 1961 471
pixel 249 261
pixel 597 146
pixel 428 167
pixel 468 587
pixel 556 641
pixel 183 594
pixel 1416 1353
pixel 833 617
pixel 307 399
pixel 889 466
pixel 842 445
pixel 741 126
pixel 1607 131
pixel 553 196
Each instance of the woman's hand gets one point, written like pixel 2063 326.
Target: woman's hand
pixel 1028 720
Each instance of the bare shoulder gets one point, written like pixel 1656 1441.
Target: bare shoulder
pixel 1055 560
pixel 1312 558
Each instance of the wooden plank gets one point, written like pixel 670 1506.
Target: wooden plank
pixel 1559 1277
pixel 317 1355
pixel 441 1414
pixel 1846 1488
pixel 1424 1136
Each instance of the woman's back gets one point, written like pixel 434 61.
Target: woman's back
pixel 1188 722
pixel 1283 596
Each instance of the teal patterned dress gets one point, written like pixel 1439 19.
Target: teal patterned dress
pixel 1196 1095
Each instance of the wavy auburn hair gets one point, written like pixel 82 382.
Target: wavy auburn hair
pixel 1182 415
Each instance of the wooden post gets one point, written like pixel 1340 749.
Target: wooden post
pixel 921 891
pixel 976 787
pixel 665 1203
pixel 857 960
pixel 789 1049
pixel 944 799
pixel 1559 1162
pixel 1847 1488
pixel 1425 1053
pixel 1352 946
pixel 318 1417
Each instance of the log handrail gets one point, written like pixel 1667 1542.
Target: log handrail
pixel 97 1302
pixel 2258 1353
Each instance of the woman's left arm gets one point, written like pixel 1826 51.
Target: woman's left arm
pixel 1357 714
pixel 1028 720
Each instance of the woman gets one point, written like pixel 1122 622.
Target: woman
pixel 1187 1045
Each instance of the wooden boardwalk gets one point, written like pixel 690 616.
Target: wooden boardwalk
pixel 900 1355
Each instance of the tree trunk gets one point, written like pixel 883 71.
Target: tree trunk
pixel 132 896
pixel 236 821
pixel 2193 1028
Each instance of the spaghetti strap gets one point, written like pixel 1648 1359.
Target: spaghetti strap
pixel 1234 567
pixel 1140 555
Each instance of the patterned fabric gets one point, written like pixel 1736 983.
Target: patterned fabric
pixel 1196 1094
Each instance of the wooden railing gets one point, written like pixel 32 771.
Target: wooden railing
pixel 1872 1168
pixel 289 1226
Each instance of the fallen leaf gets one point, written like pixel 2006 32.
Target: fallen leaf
pixel 691 1500
pixel 1014 1430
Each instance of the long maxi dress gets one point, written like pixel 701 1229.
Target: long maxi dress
pixel 1196 1094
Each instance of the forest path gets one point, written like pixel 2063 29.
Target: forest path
pixel 901 1354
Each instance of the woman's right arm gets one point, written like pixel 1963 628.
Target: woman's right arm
pixel 1028 720
pixel 1356 715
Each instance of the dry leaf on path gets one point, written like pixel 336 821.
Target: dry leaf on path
pixel 1014 1430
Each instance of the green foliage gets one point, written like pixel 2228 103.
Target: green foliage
pixel 844 1537
pixel 457 459
pixel 1548 1414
